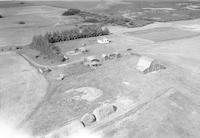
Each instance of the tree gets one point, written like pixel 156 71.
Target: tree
pixel 42 44
pixel 76 33
pixel 71 12
pixel 106 31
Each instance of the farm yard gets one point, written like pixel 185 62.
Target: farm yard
pixel 128 82
pixel 115 79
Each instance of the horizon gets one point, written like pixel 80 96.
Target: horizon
pixel 108 0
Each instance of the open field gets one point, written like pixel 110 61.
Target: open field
pixel 38 20
pixel 164 34
pixel 21 88
pixel 41 17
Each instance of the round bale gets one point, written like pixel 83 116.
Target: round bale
pixel 88 119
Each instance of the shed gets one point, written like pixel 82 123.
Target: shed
pixel 103 40
pixel 92 61
pixel 146 65
pixel 91 58
pixel 83 49
pixel 104 56
pixel 61 77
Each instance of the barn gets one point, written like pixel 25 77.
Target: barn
pixel 146 65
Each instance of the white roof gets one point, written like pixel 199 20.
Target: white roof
pixel 91 58
pixel 144 63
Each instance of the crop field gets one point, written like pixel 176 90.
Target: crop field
pixel 38 20
pixel 41 17
pixel 21 87
pixel 164 34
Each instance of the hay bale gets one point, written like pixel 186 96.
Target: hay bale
pixel 88 119
pixel 104 111
pixel 146 65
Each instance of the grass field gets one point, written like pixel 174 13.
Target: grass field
pixel 40 17
pixel 21 88
pixel 38 20
pixel 164 34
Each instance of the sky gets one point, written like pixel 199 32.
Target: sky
pixel 99 0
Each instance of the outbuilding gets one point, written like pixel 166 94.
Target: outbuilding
pixel 92 61
pixel 146 65
pixel 103 40
pixel 104 56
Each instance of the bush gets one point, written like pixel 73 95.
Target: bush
pixel 106 31
pixel 91 20
pixel 1 16
pixel 81 32
pixel 42 44
pixel 21 22
pixel 71 12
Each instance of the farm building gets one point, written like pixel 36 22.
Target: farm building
pixel 104 111
pixel 66 58
pixel 104 56
pixel 146 65
pixel 43 70
pixel 88 119
pixel 103 40
pixel 117 54
pixel 92 61
pixel 83 50
pixel 61 77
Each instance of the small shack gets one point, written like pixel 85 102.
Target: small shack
pixel 61 77
pixel 146 65
pixel 83 49
pixel 104 111
pixel 44 70
pixel 104 57
pixel 66 57
pixel 117 54
pixel 103 41
pixel 92 61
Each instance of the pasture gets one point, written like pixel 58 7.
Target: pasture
pixel 22 88
pixel 163 34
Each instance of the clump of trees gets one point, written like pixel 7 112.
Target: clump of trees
pixel 42 44
pixel 71 11
pixel 77 33
pixel 45 44
pixel 22 22
pixel 22 3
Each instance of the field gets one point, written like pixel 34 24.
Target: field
pixel 21 88
pixel 164 34
pixel 162 103
pixel 38 20
pixel 41 17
